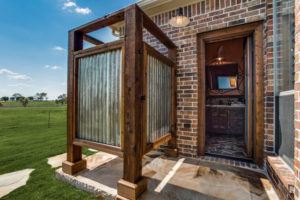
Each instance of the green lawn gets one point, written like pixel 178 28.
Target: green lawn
pixel 27 142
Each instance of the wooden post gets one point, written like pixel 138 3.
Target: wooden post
pixel 74 162
pixel 201 96
pixel 172 150
pixel 133 184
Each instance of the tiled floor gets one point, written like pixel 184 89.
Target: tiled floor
pixel 225 145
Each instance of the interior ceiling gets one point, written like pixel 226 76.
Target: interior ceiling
pixel 233 50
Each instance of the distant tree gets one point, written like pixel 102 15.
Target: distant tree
pixel 1 105
pixel 24 101
pixel 62 99
pixel 17 96
pixel 41 96
pixel 31 98
pixel 5 98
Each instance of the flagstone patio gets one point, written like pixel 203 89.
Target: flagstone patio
pixel 169 178
pixel 12 181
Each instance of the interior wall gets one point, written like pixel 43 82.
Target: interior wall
pixel 233 51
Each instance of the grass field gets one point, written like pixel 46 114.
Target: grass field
pixel 31 104
pixel 27 142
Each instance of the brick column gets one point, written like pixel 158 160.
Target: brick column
pixel 297 98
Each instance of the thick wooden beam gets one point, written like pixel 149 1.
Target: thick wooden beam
pixel 100 147
pixel 153 52
pixel 172 151
pixel 74 153
pixel 259 96
pixel 156 31
pixel 133 184
pixel 92 40
pixel 164 139
pixel 201 95
pixel 101 22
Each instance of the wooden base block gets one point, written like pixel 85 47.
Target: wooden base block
pixel 73 168
pixel 171 152
pixel 131 191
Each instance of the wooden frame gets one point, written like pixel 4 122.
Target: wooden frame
pixel 101 48
pixel 258 121
pixel 168 137
pixel 133 92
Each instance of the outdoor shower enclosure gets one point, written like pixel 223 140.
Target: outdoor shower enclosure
pixel 121 96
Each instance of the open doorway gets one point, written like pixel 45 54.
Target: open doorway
pixel 231 93
pixel 228 76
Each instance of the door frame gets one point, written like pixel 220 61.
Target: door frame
pixel 255 29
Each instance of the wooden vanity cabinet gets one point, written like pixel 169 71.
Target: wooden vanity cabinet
pixel 225 120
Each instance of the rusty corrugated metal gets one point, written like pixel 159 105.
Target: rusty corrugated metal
pixel 158 99
pixel 99 97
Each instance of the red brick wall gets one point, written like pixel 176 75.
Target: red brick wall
pixel 297 98
pixel 211 15
pixel 269 142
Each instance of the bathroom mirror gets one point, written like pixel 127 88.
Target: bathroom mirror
pixel 227 82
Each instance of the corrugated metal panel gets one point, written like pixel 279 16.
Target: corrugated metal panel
pixel 158 99
pixel 99 97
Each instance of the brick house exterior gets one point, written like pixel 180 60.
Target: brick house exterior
pixel 266 61
pixel 206 16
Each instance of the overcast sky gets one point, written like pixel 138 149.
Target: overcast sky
pixel 33 38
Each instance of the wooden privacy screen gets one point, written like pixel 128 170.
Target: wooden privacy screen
pixel 99 97
pixel 108 96
pixel 99 102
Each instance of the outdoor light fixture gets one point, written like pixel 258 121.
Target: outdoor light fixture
pixel 116 32
pixel 179 20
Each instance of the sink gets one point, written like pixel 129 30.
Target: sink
pixel 228 106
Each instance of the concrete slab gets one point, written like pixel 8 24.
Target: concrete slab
pixel 101 176
pixel 173 179
pixel 11 181
pixel 93 150
pixel 56 161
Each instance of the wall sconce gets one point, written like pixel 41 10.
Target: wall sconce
pixel 179 20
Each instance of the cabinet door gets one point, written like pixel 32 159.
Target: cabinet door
pixel 236 121
pixel 222 120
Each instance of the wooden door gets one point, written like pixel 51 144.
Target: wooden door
pixel 249 96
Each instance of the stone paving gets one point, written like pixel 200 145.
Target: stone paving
pixel 174 179
pixel 226 145
pixel 11 181
pixel 56 161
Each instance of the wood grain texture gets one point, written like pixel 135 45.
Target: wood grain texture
pixel 156 31
pixel 133 85
pixel 101 22
pixel 249 117
pixel 75 43
pixel 100 147
pixel 173 142
pixel 259 96
pixel 99 49
pixel 92 40
pixel 201 95
pixel 154 53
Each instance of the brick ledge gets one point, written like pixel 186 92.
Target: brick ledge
pixel 280 171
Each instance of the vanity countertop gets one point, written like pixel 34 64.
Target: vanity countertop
pixel 227 106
